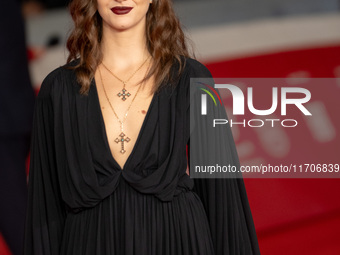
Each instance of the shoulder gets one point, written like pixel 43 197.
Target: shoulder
pixel 56 79
pixel 196 69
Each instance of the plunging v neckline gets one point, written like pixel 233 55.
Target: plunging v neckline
pixel 103 130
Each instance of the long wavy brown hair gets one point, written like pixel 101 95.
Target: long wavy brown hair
pixel 166 42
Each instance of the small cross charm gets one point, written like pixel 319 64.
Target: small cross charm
pixel 122 140
pixel 124 94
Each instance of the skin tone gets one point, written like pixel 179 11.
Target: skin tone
pixel 124 50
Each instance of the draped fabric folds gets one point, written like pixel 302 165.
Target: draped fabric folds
pixel 46 211
pixel 223 194
pixel 82 202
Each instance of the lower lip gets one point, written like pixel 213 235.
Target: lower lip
pixel 121 11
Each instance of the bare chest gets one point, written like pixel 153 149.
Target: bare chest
pixel 123 118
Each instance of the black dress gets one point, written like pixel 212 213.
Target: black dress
pixel 82 202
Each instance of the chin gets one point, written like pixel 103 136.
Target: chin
pixel 121 25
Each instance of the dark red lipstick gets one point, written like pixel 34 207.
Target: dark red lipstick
pixel 121 10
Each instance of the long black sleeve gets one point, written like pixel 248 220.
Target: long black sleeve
pixel 224 198
pixel 46 212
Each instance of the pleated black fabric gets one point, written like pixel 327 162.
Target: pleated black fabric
pixel 82 202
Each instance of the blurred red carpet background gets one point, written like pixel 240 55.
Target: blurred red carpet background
pixel 292 216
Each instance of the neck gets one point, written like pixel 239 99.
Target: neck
pixel 124 48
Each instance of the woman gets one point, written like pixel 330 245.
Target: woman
pixel 108 157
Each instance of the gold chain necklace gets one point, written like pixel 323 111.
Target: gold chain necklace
pixel 122 139
pixel 124 93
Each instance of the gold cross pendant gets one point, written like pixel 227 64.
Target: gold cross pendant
pixel 123 94
pixel 122 140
